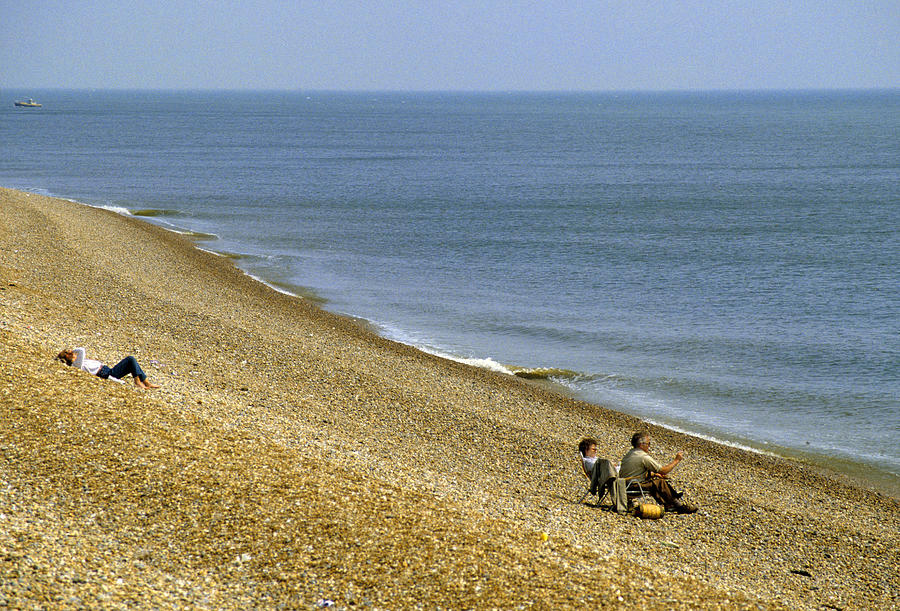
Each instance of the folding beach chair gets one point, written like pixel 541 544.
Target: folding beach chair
pixel 627 491
pixel 603 469
pixel 624 491
pixel 634 490
pixel 587 476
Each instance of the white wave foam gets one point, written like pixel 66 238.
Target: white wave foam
pixel 46 192
pixel 724 442
pixel 487 363
pixel 117 209
pixel 194 234
pixel 712 438
pixel 261 281
pixel 398 335
pixel 482 363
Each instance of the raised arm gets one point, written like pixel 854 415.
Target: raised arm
pixel 666 469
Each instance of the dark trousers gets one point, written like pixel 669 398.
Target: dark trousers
pixel 660 489
pixel 121 369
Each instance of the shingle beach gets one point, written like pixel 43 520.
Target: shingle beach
pixel 293 459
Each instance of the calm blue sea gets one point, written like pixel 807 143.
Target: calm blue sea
pixel 724 263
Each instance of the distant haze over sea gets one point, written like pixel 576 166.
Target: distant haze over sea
pixel 723 263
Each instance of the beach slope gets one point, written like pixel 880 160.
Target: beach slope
pixel 291 457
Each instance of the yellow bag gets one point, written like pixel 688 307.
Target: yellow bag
pixel 649 511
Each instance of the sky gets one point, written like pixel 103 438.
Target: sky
pixel 463 45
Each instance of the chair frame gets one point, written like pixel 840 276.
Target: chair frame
pixel 587 476
pixel 633 488
pixel 587 490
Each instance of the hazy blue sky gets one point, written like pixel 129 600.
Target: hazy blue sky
pixel 460 44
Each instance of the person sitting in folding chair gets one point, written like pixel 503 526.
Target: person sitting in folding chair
pixel 599 471
pixel 639 466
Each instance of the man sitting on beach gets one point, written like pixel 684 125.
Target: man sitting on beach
pixel 638 464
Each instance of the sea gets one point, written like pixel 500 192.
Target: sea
pixel 723 263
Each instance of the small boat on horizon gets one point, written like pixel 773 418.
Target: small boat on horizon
pixel 29 103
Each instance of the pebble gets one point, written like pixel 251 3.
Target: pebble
pixel 304 459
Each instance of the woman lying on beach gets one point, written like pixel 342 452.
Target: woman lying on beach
pixel 75 357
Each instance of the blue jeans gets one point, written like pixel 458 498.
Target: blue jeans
pixel 121 369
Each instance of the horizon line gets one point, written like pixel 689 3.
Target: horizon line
pixel 469 91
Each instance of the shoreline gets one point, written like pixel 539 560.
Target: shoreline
pixel 299 457
pixel 858 473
